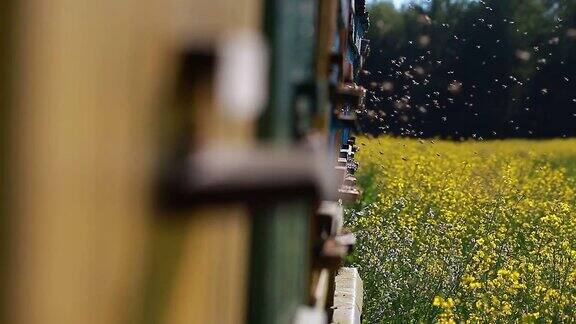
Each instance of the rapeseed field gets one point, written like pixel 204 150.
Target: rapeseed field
pixel 474 231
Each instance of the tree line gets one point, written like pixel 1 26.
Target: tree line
pixel 472 69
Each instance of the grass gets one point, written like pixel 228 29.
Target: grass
pixel 466 231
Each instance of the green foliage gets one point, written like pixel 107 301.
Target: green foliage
pixel 515 59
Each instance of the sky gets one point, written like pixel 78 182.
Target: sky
pixel 397 3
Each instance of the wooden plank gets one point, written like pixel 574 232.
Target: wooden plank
pixel 348 297
pixel 87 81
pixel 211 278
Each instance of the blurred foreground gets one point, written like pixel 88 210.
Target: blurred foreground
pixel 178 161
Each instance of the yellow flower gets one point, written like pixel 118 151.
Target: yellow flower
pixel 507 309
pixel 503 272
pixel 479 304
pixel 486 227
pixel 438 301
